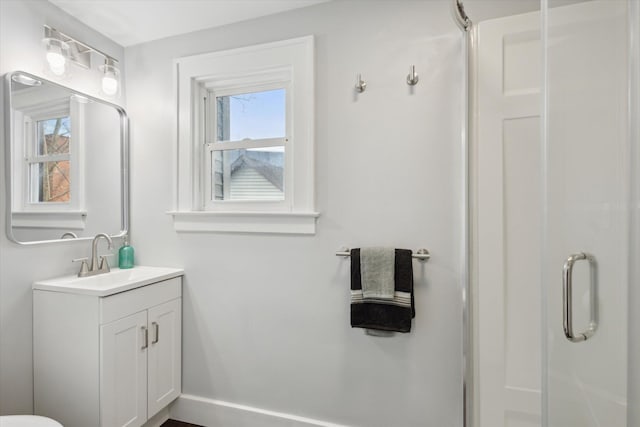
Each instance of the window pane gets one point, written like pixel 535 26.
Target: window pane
pixel 51 182
pixel 53 136
pixel 254 115
pixel 253 174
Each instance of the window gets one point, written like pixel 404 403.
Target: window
pixel 47 180
pixel 48 161
pixel 245 140
pixel 246 161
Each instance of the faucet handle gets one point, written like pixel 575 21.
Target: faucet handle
pixel 104 265
pixel 84 268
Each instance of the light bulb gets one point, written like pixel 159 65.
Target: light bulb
pixel 56 62
pixel 57 51
pixel 109 85
pixel 111 77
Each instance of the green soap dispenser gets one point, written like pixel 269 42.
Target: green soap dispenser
pixel 125 254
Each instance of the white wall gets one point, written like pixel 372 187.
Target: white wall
pixel 21 49
pixel 266 317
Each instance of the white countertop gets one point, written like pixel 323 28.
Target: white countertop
pixel 106 284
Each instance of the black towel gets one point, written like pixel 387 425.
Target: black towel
pixel 384 315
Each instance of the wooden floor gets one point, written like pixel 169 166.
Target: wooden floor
pixel 174 423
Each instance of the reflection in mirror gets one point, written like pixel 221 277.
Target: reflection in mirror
pixel 66 154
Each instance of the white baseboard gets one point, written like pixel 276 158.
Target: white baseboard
pixel 216 413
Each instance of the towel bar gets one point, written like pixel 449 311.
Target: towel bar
pixel 421 254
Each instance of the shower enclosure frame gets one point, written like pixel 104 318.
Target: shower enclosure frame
pixel 469 45
pixel 633 373
pixel 468 106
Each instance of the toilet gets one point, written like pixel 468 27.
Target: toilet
pixel 27 421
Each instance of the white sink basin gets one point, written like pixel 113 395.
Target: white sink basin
pixel 106 284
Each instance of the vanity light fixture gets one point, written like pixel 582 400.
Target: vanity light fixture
pixel 62 49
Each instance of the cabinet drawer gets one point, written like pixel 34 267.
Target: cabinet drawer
pixel 117 306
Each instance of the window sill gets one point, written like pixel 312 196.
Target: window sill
pixel 245 222
pixel 67 220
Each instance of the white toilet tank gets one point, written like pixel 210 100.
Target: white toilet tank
pixel 27 421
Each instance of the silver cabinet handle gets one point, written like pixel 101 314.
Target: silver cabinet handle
pixel 567 298
pixel 156 332
pixel 145 337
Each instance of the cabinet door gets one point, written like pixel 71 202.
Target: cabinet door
pixel 123 372
pixel 165 354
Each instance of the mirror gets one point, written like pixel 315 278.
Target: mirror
pixel 66 162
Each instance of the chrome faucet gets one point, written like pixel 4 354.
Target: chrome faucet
pixel 97 266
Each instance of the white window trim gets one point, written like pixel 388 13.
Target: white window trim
pixel 241 67
pixel 246 222
pixel 66 220
pixel 27 214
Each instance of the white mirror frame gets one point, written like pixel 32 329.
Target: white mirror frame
pixel 9 167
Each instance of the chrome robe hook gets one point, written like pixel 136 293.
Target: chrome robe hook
pixel 412 77
pixel 361 85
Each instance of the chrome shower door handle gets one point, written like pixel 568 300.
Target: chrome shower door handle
pixel 567 298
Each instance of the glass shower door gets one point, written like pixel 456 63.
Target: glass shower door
pixel 586 235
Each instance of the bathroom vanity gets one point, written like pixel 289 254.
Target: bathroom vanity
pixel 107 348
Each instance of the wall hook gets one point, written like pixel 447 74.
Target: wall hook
pixel 412 77
pixel 361 85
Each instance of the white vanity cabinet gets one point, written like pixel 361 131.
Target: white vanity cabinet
pixel 105 358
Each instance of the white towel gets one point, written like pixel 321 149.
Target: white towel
pixel 377 266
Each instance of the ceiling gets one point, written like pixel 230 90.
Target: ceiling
pixel 130 22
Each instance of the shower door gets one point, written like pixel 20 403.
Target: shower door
pixel 586 237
